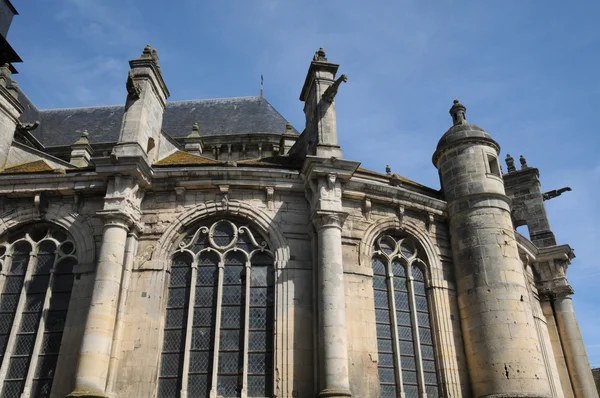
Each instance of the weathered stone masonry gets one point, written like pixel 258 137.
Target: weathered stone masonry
pixel 462 306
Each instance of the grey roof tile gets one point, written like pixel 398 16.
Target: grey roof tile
pixel 241 115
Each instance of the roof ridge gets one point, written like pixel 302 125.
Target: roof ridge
pixel 81 107
pixel 215 99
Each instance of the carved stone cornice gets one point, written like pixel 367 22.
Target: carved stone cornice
pixel 329 219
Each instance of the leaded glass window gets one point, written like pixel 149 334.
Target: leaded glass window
pixel 218 333
pixel 36 282
pixel 404 339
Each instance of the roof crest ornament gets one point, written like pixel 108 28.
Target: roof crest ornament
pixel 510 163
pixel 458 113
pixel 195 131
pixel 320 56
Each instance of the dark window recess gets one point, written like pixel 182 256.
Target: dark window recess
pixel 493 163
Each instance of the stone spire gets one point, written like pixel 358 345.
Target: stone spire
pixel 318 94
pixel 146 101
pixel 458 113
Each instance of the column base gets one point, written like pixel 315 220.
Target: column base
pixel 334 393
pixel 87 394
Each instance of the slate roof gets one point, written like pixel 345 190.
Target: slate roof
pixel 241 115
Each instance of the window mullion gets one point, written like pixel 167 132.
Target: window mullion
pixel 244 393
pixel 10 345
pixel 215 370
pixel 416 337
pixel 188 331
pixel 394 322
pixel 40 334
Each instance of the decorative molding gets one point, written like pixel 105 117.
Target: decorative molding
pixel 270 191
pixel 329 219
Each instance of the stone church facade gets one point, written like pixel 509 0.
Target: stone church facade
pixel 209 249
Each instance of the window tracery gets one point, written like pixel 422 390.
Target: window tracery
pixel 218 334
pixel 36 282
pixel 404 339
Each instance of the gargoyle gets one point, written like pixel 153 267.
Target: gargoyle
pixel 133 88
pixel 332 90
pixel 554 193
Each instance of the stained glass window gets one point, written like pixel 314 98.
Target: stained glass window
pixel 230 289
pixel 37 279
pixel 404 337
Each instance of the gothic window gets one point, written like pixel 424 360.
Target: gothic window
pixel 404 340
pixel 218 333
pixel 36 281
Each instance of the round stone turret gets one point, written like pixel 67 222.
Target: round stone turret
pixel 502 344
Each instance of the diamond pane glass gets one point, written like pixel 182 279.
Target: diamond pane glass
pixel 168 387
pixel 425 335
pixel 423 319
pixel 403 318
pixel 223 233
pixel 12 389
pixel 382 316
pixel 427 351
pixel 381 299
pixel 229 386
pixel 421 303
pixel 378 266
pixel 41 388
pixel 407 248
pixel 432 391
pixel 409 377
pixel 407 348
pixel 408 363
pixel 384 345
pixel 419 288
pixel 387 244
pixel 428 366
pixel 401 301
pixel 386 360
pixel 198 385
pixel 398 269
pixel 379 282
pixel 388 391
pixel 387 375
pixel 417 274
pixel 430 378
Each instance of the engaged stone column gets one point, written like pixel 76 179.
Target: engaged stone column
pixel 97 341
pixel 572 343
pixel 332 304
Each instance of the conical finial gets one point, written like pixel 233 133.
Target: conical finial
pixel 388 169
pixel 83 138
pixel 458 113
pixel 510 163
pixel 195 131
pixel 320 55
pixel 288 128
pixel 523 162
pixel 147 51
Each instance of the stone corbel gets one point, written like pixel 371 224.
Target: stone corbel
pixel 367 208
pixel 180 195
pixel 76 202
pixel 133 88
pixel 400 211
pixel 224 189
pixel 429 221
pixel 270 193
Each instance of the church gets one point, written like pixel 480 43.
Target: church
pixel 208 248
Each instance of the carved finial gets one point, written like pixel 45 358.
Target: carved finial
pixel 288 128
pixel 458 113
pixel 320 56
pixel 5 74
pixel 195 131
pixel 83 138
pixel 388 170
pixel 147 52
pixel 510 163
pixel 155 55
pixel 523 162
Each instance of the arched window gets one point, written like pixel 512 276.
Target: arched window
pixel 404 340
pixel 36 281
pixel 218 333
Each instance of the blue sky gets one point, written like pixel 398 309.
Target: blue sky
pixel 526 70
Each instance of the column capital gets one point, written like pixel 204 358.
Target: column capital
pixel 329 219
pixel 116 218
